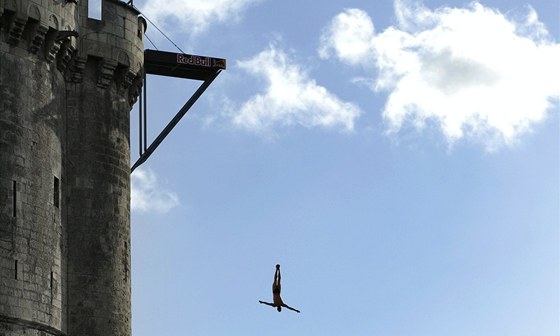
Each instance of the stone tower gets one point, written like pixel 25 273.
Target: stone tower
pixel 67 84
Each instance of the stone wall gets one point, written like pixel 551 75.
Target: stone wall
pixel 31 233
pixel 32 137
pixel 64 166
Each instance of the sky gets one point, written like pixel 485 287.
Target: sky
pixel 398 159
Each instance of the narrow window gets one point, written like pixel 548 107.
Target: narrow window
pixel 14 198
pixel 94 9
pixel 52 286
pixel 125 261
pixel 56 198
pixel 15 270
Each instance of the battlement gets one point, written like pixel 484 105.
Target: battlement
pixel 115 43
pixel 60 32
pixel 30 26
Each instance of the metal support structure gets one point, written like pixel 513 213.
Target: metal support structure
pixel 145 154
pixel 140 116
pixel 145 116
pixel 168 64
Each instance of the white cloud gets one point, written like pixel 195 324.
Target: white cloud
pixel 290 97
pixel 349 36
pixel 147 195
pixel 477 73
pixel 194 16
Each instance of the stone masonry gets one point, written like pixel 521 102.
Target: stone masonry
pixel 67 84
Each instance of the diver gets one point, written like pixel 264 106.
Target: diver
pixel 276 299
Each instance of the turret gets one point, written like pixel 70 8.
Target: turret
pixel 34 53
pixel 102 83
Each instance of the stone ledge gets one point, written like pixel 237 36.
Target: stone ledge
pixel 32 325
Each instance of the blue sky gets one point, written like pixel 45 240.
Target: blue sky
pixel 399 159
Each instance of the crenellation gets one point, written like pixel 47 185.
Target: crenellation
pixel 38 37
pixel 65 55
pixel 39 24
pixel 106 72
pixel 126 78
pixel 52 46
pixel 75 73
pixel 16 26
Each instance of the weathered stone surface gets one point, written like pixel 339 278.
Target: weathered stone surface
pixel 64 166
pixel 32 128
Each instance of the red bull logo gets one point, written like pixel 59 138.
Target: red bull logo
pixel 201 61
pixel 219 63
pixel 194 60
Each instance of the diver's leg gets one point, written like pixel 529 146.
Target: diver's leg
pixel 290 308
pixel 276 284
pixel 277 275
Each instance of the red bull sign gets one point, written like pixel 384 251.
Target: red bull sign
pixel 201 61
pixel 170 64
